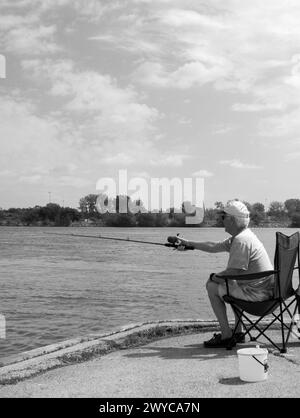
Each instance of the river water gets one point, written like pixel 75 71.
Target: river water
pixel 59 287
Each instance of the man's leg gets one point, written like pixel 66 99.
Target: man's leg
pixel 219 308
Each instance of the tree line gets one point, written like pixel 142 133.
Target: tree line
pixel 278 214
pixel 50 215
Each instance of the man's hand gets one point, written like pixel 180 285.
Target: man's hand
pixel 182 241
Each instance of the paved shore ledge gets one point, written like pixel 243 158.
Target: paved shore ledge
pixel 155 359
pixel 30 363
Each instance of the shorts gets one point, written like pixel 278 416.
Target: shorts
pixel 248 292
pixel 234 290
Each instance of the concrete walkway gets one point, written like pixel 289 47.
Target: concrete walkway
pixel 165 367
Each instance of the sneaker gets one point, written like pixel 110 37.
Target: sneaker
pixel 217 342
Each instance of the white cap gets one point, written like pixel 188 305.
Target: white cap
pixel 237 209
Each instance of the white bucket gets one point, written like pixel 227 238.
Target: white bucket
pixel 253 364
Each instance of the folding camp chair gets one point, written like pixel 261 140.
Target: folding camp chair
pixel 286 255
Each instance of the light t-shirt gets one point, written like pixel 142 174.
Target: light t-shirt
pixel 247 253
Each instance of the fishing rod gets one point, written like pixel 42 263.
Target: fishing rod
pixel 172 240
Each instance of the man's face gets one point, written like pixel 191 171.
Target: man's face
pixel 227 221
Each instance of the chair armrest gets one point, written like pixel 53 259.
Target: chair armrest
pixel 251 276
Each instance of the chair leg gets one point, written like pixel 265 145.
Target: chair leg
pixel 283 349
pixel 291 324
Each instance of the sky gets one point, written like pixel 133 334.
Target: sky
pixel 160 88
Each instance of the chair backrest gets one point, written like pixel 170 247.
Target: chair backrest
pixel 286 254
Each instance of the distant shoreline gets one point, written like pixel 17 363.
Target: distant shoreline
pixel 279 215
pixel 267 226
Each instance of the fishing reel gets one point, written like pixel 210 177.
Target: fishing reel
pixel 174 243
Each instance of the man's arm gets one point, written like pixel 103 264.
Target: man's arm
pixel 207 246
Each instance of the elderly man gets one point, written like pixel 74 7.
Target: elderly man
pixel 246 255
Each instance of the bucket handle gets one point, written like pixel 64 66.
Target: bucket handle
pixel 265 365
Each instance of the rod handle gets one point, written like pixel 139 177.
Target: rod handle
pixel 173 242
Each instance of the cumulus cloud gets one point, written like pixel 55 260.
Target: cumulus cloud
pixel 28 138
pixel 23 32
pixel 131 43
pixel 41 150
pixel 175 160
pixel 11 21
pixel 34 40
pixel 188 75
pixel 22 29
pixel 92 10
pixel 203 173
pixel 190 18
pixel 256 107
pixel 238 164
pixel 119 159
pixel 110 112
pixel 284 125
pixel 223 129
pixel 292 155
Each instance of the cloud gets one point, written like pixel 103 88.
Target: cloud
pixel 142 174
pixel 239 164
pixel 29 140
pixel 23 32
pixel 294 78
pixel 131 43
pixel 110 112
pixel 119 159
pixel 91 10
pixel 34 40
pixel 223 129
pixel 6 173
pixel 169 160
pixel 97 117
pixel 30 179
pixel 185 121
pixel 283 125
pixel 74 181
pixel 256 107
pixel 188 75
pixel 23 27
pixel 203 173
pixel 11 21
pixel 194 73
pixel 190 18
pixel 292 156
